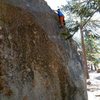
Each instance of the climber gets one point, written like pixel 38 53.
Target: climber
pixel 61 18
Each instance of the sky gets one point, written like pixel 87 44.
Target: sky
pixel 55 4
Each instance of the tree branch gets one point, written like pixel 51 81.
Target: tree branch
pixel 89 18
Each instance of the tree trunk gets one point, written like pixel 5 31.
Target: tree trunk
pixel 84 60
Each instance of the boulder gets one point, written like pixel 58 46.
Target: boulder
pixel 36 63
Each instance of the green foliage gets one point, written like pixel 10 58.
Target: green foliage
pixel 82 11
pixel 66 35
pixel 92 48
pixel 85 7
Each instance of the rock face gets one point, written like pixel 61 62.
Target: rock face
pixel 35 61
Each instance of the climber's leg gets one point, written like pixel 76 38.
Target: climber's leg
pixel 62 21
